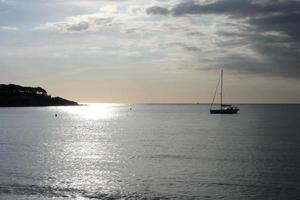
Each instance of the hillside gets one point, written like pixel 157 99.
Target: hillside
pixel 19 96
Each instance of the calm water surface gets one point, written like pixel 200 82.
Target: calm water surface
pixel 149 152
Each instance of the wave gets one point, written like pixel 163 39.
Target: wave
pixel 64 192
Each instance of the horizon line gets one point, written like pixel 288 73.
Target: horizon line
pixel 170 103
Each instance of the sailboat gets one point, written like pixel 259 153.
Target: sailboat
pixel 224 108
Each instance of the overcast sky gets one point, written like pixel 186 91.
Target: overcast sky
pixel 153 51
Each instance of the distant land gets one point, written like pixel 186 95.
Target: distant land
pixel 19 96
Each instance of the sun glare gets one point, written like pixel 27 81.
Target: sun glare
pixel 93 110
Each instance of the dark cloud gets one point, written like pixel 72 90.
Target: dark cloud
pixel 268 27
pixel 287 23
pixel 81 24
pixel 242 8
pixel 184 46
pixel 157 10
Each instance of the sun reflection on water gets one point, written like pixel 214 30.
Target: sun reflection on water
pixel 93 110
pixel 90 158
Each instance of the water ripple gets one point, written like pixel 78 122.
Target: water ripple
pixel 64 192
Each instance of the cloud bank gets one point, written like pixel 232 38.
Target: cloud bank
pixel 269 28
pixel 260 37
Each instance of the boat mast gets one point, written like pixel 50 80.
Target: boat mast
pixel 221 88
pixel 216 91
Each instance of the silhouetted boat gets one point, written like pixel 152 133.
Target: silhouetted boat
pixel 224 108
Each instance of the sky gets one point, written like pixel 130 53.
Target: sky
pixel 153 51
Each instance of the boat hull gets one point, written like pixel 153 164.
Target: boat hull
pixel 219 111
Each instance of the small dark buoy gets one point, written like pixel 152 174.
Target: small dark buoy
pixel 55 115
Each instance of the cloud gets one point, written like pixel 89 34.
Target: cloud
pixel 157 10
pixel 243 8
pixel 9 28
pixel 249 36
pixel 268 29
pixel 80 23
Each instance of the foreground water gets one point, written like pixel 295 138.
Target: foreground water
pixel 149 152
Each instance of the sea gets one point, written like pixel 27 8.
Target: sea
pixel 121 151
